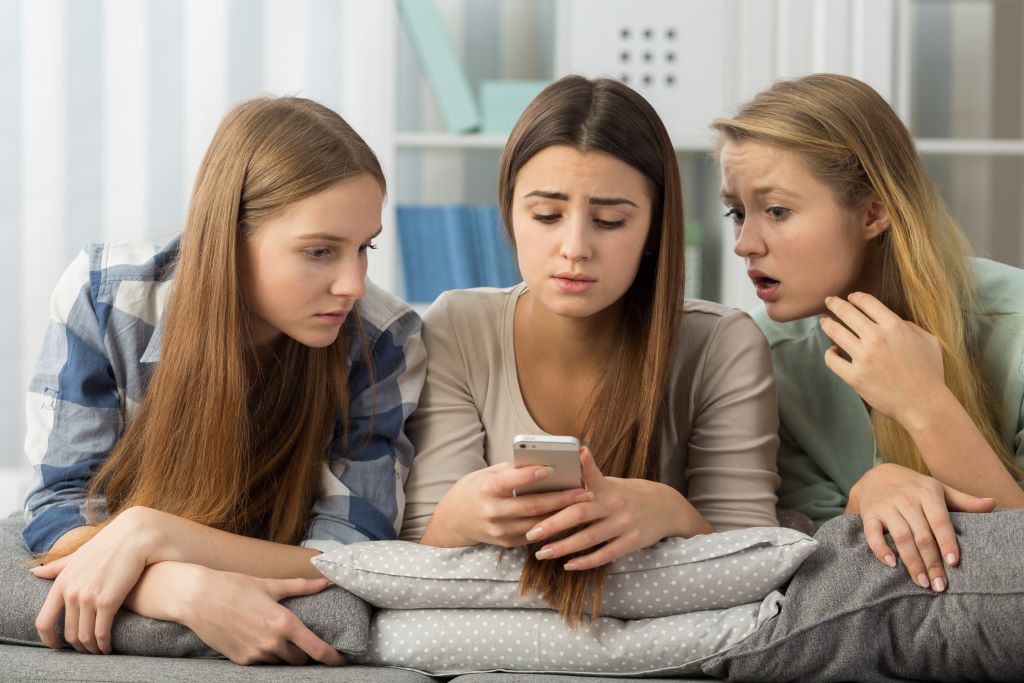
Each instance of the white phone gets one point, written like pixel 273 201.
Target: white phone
pixel 561 453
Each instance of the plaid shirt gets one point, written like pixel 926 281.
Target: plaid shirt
pixel 98 356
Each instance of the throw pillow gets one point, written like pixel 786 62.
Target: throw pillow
pixel 674 576
pixel 449 642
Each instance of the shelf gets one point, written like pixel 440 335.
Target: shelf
pixel 970 147
pixel 407 140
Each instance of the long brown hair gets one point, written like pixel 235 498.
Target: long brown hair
pixel 606 116
pixel 218 440
pixel 852 140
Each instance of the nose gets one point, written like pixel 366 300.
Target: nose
pixel 349 281
pixel 576 244
pixel 749 240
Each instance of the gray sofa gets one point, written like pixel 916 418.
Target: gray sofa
pixel 24 663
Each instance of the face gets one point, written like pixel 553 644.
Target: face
pixel 799 243
pixel 305 266
pixel 580 223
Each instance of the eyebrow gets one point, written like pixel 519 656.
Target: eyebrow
pixel 600 201
pixel 763 190
pixel 328 237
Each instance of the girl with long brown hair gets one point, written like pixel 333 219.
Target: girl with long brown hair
pixel 674 399
pixel 207 416
pixel 898 358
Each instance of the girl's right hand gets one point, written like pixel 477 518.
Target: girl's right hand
pixel 914 509
pixel 237 615
pixel 480 508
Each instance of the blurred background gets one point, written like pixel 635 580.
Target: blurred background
pixel 106 107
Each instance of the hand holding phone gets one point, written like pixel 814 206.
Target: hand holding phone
pixel 560 453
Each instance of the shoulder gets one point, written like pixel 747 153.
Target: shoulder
pixel 384 313
pixel 1000 288
pixel 133 276
pixel 707 321
pixel 466 310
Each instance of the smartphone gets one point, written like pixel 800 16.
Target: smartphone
pixel 561 453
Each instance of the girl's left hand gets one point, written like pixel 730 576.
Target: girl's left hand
pixel 622 514
pixel 91 584
pixel 894 365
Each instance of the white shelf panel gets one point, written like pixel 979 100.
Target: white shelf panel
pixel 969 147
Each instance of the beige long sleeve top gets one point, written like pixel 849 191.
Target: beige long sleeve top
pixel 718 443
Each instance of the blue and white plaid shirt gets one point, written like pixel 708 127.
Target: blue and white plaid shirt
pixel 98 356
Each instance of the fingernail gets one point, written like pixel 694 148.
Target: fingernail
pixel 938 584
pixel 541 472
pixel 827 299
pixel 543 554
pixel 570 566
pixel 922 580
pixel 951 560
pixel 890 560
pixel 584 497
pixel 534 533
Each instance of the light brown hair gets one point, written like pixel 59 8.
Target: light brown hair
pixel 851 139
pixel 218 438
pixel 603 115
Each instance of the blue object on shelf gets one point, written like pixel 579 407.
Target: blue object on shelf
pixel 453 247
pixel 502 101
pixel 439 62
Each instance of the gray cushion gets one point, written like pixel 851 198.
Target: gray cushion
pixel 848 617
pixel 337 616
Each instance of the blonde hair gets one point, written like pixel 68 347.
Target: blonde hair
pixel 852 140
pixel 606 116
pixel 217 440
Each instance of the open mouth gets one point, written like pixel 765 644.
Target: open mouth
pixel 764 282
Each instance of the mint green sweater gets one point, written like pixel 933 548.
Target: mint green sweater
pixel 826 442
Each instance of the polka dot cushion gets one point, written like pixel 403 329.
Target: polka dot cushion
pixel 446 642
pixel 675 576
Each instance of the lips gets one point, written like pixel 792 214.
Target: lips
pixel 335 317
pixel 573 283
pixel 766 287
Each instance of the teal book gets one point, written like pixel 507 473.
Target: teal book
pixel 441 66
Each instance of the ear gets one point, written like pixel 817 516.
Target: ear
pixel 875 218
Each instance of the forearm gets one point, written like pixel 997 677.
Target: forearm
pixel 440 534
pixel 160 591
pixel 173 539
pixel 958 455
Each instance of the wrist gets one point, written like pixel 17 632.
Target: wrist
pixel 145 532
pixel 686 521
pixel 928 416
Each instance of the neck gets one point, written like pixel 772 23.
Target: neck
pixel 562 340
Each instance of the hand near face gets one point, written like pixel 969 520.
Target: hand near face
pixel 893 364
pixel 914 509
pixel 617 516
pixel 481 508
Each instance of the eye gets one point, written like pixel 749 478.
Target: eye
pixel 318 253
pixel 610 225
pixel 735 214
pixel 546 218
pixel 778 213
pixel 368 245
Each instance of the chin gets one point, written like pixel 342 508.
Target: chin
pixel 315 342
pixel 782 312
